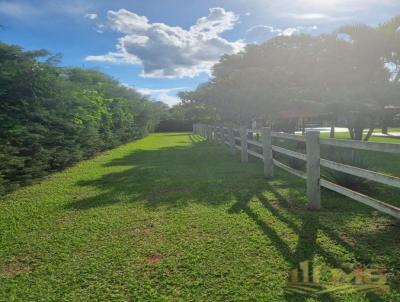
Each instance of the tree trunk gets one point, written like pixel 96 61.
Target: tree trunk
pixel 384 120
pixel 303 127
pixel 332 134
pixel 369 134
pixel 351 132
pixel 358 133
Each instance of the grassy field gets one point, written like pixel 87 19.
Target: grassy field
pixel 173 218
pixel 374 138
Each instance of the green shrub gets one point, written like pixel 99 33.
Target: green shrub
pixel 52 117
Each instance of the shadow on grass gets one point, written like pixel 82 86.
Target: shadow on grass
pixel 168 177
pixel 185 134
pixel 173 177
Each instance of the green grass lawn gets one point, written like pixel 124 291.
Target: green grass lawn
pixel 174 218
pixel 377 139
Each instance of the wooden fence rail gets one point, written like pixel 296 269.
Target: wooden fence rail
pixel 230 137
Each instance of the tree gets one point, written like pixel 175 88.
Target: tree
pixel 348 78
pixel 378 50
pixel 52 117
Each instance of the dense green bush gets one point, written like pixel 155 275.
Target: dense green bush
pixel 52 117
pixel 173 125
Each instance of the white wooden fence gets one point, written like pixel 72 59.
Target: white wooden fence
pixel 231 137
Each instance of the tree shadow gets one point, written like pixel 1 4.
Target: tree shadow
pixel 313 222
pixel 185 134
pixel 169 177
pixel 173 177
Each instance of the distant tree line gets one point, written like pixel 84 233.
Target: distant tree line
pixel 53 117
pixel 352 76
pixel 182 116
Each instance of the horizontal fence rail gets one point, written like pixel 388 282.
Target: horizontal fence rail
pixel 255 154
pixel 289 136
pixel 288 152
pixel 361 145
pixel 369 201
pixel 255 143
pixel 290 169
pixel 245 137
pixel 367 174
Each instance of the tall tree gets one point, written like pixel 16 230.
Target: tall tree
pixel 346 76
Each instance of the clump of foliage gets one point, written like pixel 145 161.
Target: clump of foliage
pixel 182 116
pixel 344 75
pixel 52 117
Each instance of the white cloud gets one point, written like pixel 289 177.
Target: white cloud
pixel 324 6
pixel 215 23
pixel 99 28
pixel 168 51
pixel 335 12
pixel 167 95
pixel 126 22
pixel 290 31
pixel 308 16
pixel 115 57
pixel 91 16
pixel 317 17
pixel 261 33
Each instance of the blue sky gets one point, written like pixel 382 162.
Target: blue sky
pixel 162 47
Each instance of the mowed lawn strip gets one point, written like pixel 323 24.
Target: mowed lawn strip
pixel 174 218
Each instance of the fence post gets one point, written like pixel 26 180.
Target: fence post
pixel 243 141
pixel 222 137
pixel 231 134
pixel 267 152
pixel 218 134
pixel 313 170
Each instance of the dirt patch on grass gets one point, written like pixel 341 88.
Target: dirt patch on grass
pixel 154 258
pixel 16 265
